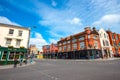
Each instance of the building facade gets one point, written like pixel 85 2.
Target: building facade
pixel 105 44
pixel 50 51
pixel 33 49
pixel 85 44
pixel 115 42
pixel 14 41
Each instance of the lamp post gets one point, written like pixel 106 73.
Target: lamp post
pixel 29 34
pixel 28 51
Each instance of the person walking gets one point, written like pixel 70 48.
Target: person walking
pixel 15 62
pixel 20 62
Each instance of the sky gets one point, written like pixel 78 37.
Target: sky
pixel 55 19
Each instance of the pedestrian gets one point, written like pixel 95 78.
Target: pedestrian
pixel 15 62
pixel 20 62
pixel 25 61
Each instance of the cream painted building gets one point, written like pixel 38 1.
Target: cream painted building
pixel 14 42
pixel 105 43
pixel 15 36
pixel 33 49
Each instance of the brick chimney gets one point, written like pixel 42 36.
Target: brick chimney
pixel 87 30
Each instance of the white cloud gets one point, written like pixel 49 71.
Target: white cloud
pixel 38 40
pixel 5 20
pixel 53 40
pixel 54 3
pixel 72 16
pixel 108 21
pixel 107 6
pixel 75 20
pixel 63 23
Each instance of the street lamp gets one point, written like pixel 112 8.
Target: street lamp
pixel 30 34
pixel 28 51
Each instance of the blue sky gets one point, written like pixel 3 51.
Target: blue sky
pixel 59 18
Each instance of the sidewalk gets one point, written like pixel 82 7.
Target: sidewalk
pixel 107 59
pixel 18 65
pixel 99 59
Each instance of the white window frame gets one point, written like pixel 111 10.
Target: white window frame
pixel 18 42
pixel 8 42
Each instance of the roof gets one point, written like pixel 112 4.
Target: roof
pixel 13 26
pixel 74 35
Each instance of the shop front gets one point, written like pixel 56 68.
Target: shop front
pixel 7 55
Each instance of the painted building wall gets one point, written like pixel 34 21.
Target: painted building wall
pixel 105 43
pixel 33 49
pixel 4 34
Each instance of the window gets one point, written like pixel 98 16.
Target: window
pixel 60 44
pixel 116 37
pixel 104 35
pixel 88 36
pixel 4 55
pixel 11 31
pixel 74 40
pixel 60 49
pixel 68 47
pixel 20 33
pixel 18 42
pixel 81 38
pixel 82 46
pixel 64 48
pixel 112 36
pixel 64 42
pixel 103 43
pixel 96 45
pixel 95 37
pixel 8 41
pixel 107 44
pixel 119 44
pixel 74 46
pixel 11 56
pixel 17 55
pixel 114 43
pixel 68 41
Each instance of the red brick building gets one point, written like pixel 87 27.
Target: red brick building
pixel 46 49
pixel 49 51
pixel 115 42
pixel 85 44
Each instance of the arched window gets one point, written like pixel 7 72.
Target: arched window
pixel 107 44
pixel 103 43
pixel 104 35
pixel 95 37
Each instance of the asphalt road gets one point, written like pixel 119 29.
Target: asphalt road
pixel 65 70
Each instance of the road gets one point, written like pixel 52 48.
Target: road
pixel 65 70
